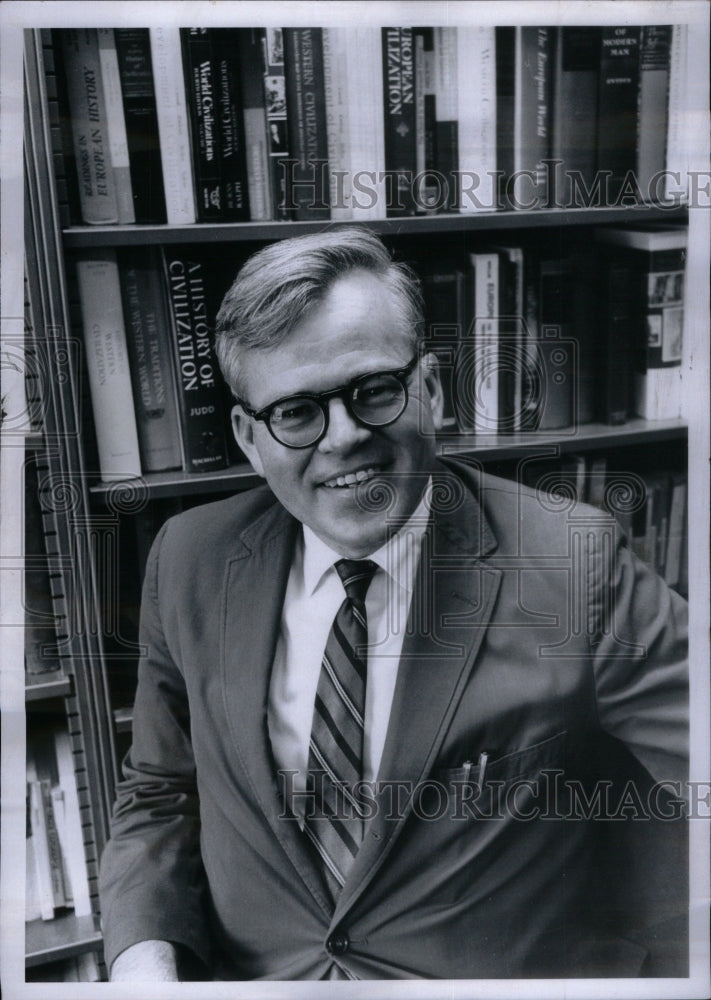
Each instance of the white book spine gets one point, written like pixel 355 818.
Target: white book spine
pixel 107 364
pixel 676 180
pixel 476 112
pixel 70 833
pixel 366 119
pixel 118 142
pixel 338 108
pixel 173 127
pixel 486 341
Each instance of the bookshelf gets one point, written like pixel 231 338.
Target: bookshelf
pixel 100 514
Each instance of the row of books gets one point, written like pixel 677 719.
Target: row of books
pixel 185 125
pixel 56 872
pixel 535 339
pixel 651 507
pixel 527 339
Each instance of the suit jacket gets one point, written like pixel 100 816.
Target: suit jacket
pixel 534 636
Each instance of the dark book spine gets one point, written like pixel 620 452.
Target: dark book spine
pixel 230 115
pixel 617 109
pixel 574 135
pixel 400 114
pixel 445 312
pixel 251 66
pixel 276 110
pixel 654 69
pixel 308 140
pixel 532 116
pixel 197 376
pixel 139 106
pixel 505 101
pixel 200 89
pixel 556 351
pixel 619 316
pixel 585 333
pixel 148 329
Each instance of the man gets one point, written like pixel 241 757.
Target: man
pixel 381 694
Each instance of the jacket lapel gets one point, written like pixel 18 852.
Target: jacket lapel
pixel 256 579
pixel 452 604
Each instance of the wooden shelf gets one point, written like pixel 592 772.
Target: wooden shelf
pixel 495 447
pixel 79 237
pixel 63 937
pixel 53 684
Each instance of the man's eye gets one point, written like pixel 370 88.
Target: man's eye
pixel 293 412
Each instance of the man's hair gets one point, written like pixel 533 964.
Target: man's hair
pixel 279 284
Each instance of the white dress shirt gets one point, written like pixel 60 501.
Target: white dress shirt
pixel 314 593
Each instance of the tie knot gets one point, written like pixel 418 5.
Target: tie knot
pixel 356 575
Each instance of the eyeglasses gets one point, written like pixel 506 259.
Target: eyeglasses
pixel 375 399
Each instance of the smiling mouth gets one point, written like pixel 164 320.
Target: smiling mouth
pixel 351 479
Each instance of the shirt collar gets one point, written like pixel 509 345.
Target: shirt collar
pixel 398 556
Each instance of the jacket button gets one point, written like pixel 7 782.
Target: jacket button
pixel 337 944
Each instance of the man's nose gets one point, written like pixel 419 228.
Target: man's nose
pixel 343 431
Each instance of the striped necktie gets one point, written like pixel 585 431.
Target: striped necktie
pixel 336 745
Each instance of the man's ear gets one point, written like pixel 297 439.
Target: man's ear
pixel 433 383
pixel 243 430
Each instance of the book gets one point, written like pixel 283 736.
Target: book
pixel 654 68
pixel 447 109
pixel 477 375
pixel 574 128
pixel 617 112
pixel 676 540
pixel 255 124
pixel 216 123
pixel 69 825
pixel 532 117
pixel 276 111
pixel 476 116
pixel 596 481
pixel 173 129
pixel 107 363
pixel 505 105
pixel 584 331
pixel 197 376
pixel 617 316
pixel 444 292
pixel 308 139
pixel 43 879
pixel 231 123
pixel 428 186
pixel 371 196
pixel 557 351
pixel 335 80
pixel 116 122
pixel 133 50
pixel 89 125
pixel 148 337
pixel 653 260
pixel 677 163
pixel 398 69
pixel 40 638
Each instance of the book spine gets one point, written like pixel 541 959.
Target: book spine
pixel 200 87
pixel 476 102
pixel 445 310
pixel 335 88
pixel 532 117
pixel 306 100
pixel 676 540
pixel 446 104
pixel 71 830
pixel 585 332
pixel 230 117
pixel 255 125
pixel 505 102
pixel 176 157
pixel 116 120
pixel 574 131
pixel 675 181
pixel 148 339
pixel 556 350
pixel 617 320
pixel 54 849
pixel 195 366
pixel 370 195
pixel 276 111
pixel 428 190
pixel 660 331
pixel 139 105
pixel 107 363
pixel 400 127
pixel 654 65
pixel 97 189
pixel 617 108
pixel 43 869
pixel 485 384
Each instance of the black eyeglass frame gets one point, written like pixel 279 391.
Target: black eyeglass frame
pixel 345 392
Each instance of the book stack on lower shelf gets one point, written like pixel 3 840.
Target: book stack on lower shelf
pixel 357 123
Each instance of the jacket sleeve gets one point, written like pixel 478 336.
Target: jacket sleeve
pixel 152 882
pixel 639 636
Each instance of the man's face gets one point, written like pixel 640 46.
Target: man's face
pixel 356 329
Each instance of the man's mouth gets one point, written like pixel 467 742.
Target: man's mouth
pixel 351 479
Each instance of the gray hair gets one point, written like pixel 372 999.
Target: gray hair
pixel 279 284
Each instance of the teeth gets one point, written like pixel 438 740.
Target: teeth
pixel 351 479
